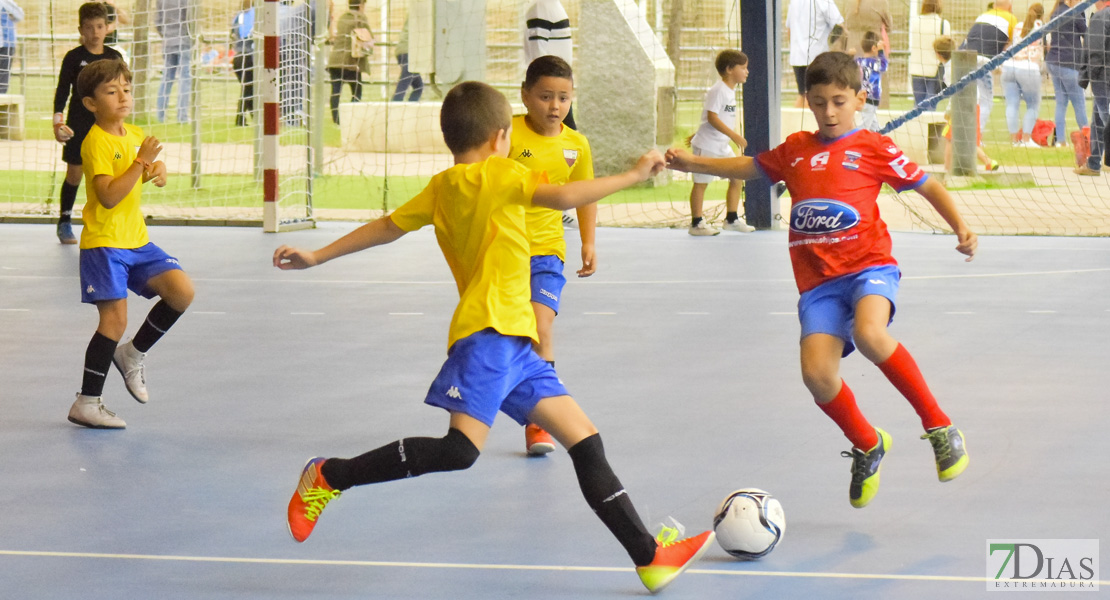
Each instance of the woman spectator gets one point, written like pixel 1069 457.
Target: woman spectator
pixel 350 48
pixel 1021 80
pixel 1065 53
pixel 242 60
pixel 926 73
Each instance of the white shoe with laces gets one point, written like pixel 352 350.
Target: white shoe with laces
pixel 703 228
pixel 738 225
pixel 569 222
pixel 129 362
pixel 89 411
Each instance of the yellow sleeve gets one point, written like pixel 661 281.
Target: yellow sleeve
pixel 417 212
pixel 584 167
pixel 529 182
pixel 96 152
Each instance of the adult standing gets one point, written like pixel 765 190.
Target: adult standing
pixel 988 37
pixel 407 80
pixel 242 60
pixel 10 14
pixel 173 19
pixel 1098 68
pixel 869 15
pixel 926 72
pixel 1021 80
pixel 1065 51
pixel 117 16
pixel 809 23
pixel 547 32
pixel 351 44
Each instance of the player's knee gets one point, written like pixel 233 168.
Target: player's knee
pixel 457 452
pixel 821 382
pixel 870 338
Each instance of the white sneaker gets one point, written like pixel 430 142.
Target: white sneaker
pixel 703 228
pixel 129 361
pixel 569 222
pixel 1030 144
pixel 89 411
pixel 737 225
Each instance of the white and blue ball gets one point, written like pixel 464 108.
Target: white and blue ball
pixel 749 523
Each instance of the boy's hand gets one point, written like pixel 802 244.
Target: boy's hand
pixel 678 159
pixel 288 257
pixel 650 164
pixel 158 174
pixel 589 261
pixel 690 141
pixel 969 243
pixel 62 133
pixel 741 143
pixel 149 150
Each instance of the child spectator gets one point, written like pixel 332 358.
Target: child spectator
pixel 872 65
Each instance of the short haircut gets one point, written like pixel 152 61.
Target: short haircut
pixel 835 68
pixel 547 66
pixel 91 10
pixel 472 112
pixel 98 72
pixel 869 41
pixel 728 59
pixel 944 46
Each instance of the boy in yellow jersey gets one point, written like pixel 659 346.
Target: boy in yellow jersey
pixel 541 142
pixel 116 254
pixel 477 208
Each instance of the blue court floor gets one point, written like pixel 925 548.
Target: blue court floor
pixel 682 350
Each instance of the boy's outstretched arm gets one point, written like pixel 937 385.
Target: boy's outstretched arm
pixel 374 233
pixel 937 195
pixel 739 167
pixel 580 193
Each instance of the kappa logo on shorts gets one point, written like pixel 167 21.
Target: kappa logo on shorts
pixel 173 261
pixel 453 392
pixel 90 290
pixel 549 294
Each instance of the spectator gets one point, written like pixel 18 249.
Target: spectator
pixel 174 21
pixel 10 14
pixel 297 28
pixel 988 37
pixel 1098 68
pixel 1021 80
pixel 407 79
pixel 926 74
pixel 1065 51
pixel 869 15
pixel 872 64
pixel 242 61
pixel 809 23
pixel 547 32
pixel 351 44
pixel 116 16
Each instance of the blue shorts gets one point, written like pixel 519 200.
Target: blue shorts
pixel 107 273
pixel 487 371
pixel 547 281
pixel 830 307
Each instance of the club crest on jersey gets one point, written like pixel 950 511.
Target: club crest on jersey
pixel 820 216
pixel 851 160
pixel 571 156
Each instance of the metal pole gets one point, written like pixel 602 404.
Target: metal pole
pixel 762 102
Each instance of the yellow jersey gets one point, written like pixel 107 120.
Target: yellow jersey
pixel 121 226
pixel 565 157
pixel 478 213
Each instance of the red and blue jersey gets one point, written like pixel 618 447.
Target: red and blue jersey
pixel 835 227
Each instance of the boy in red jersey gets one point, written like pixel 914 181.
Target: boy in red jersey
pixel 840 251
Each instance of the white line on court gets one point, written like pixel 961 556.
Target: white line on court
pixel 405 314
pixel 791 313
pixel 1041 312
pixel 693 313
pixel 480 567
pixel 307 313
pixel 208 312
pixel 959 312
pixel 599 313
pixel 15 310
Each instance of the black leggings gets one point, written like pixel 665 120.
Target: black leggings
pixel 338 78
pixel 243 65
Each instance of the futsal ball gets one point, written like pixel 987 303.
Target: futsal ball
pixel 749 523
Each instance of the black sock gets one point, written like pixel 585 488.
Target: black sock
pixel 606 496
pixel 731 217
pixel 410 457
pixel 694 221
pixel 158 321
pixel 98 359
pixel 69 198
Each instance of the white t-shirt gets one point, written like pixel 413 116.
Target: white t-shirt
pixel 720 99
pixel 925 30
pixel 547 31
pixel 810 22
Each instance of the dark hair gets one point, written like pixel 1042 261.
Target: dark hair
pixel 91 10
pixel 930 7
pixel 836 68
pixel 98 72
pixel 944 46
pixel 547 66
pixel 728 59
pixel 473 111
pixel 869 41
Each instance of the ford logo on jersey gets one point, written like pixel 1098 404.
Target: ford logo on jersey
pixel 817 217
